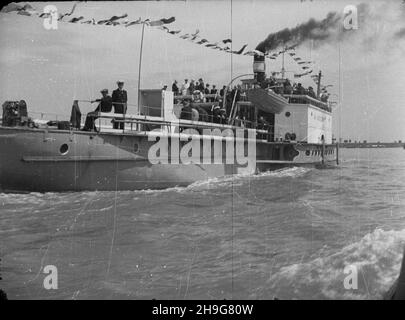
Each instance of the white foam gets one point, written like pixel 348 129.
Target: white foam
pixel 377 257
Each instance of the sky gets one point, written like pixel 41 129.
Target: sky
pixel 51 68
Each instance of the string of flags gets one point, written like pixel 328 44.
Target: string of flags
pixel 28 10
pixel 161 24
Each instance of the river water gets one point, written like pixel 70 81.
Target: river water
pixel 290 234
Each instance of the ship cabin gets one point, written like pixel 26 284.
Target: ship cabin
pixel 275 117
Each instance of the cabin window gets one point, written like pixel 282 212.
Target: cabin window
pixel 136 147
pixel 307 153
pixel 287 114
pixel 64 149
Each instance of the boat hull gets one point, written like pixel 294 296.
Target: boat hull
pixel 38 160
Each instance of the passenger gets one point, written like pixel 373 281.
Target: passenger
pixel 216 114
pixel 119 101
pixel 278 88
pixel 222 91
pixel 214 91
pixel 164 88
pixel 324 96
pixel 105 105
pixel 185 88
pixel 272 82
pixel 311 92
pixel 207 91
pixel 224 119
pixel 192 86
pixel 198 96
pixel 200 86
pixel 175 88
pixel 287 87
pixel 186 111
pixel 299 89
pixel 203 114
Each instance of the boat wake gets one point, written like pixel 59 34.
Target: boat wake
pixel 376 257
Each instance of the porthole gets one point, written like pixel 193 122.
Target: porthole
pixel 287 114
pixel 64 149
pixel 307 153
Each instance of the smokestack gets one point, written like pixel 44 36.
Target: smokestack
pixel 259 68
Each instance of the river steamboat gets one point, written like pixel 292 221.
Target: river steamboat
pixel 55 156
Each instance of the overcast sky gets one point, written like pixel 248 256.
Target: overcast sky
pixel 50 68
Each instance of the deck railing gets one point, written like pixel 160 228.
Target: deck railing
pixel 304 99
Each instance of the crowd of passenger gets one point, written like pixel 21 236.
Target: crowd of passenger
pixel 286 88
pixel 203 102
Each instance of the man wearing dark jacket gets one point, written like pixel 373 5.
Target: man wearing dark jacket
pixel 119 100
pixel 105 105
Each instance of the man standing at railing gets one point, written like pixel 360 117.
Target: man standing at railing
pixel 119 101
pixel 311 92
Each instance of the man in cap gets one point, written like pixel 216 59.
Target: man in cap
pixel 207 91
pixel 311 92
pixel 175 88
pixel 214 91
pixel 185 88
pixel 216 114
pixel 105 105
pixel 119 100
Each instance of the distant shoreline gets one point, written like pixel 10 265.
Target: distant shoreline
pixel 372 145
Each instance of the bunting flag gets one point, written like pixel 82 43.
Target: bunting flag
pixel 113 18
pixel 254 53
pixel 161 22
pixel 73 20
pixel 292 47
pixel 297 59
pixel 68 14
pixel 92 21
pixel 211 45
pixel 139 21
pixel 168 21
pixel 292 54
pixel 249 53
pixel 240 50
pixel 24 13
pixel 302 74
pixel 202 41
pixel 195 35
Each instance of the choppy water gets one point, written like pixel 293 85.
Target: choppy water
pixel 286 234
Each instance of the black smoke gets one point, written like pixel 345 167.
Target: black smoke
pixel 310 30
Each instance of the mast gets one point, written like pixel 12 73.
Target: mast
pixel 282 66
pixel 139 68
pixel 318 91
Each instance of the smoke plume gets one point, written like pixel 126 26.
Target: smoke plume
pixel 331 29
pixel 310 30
